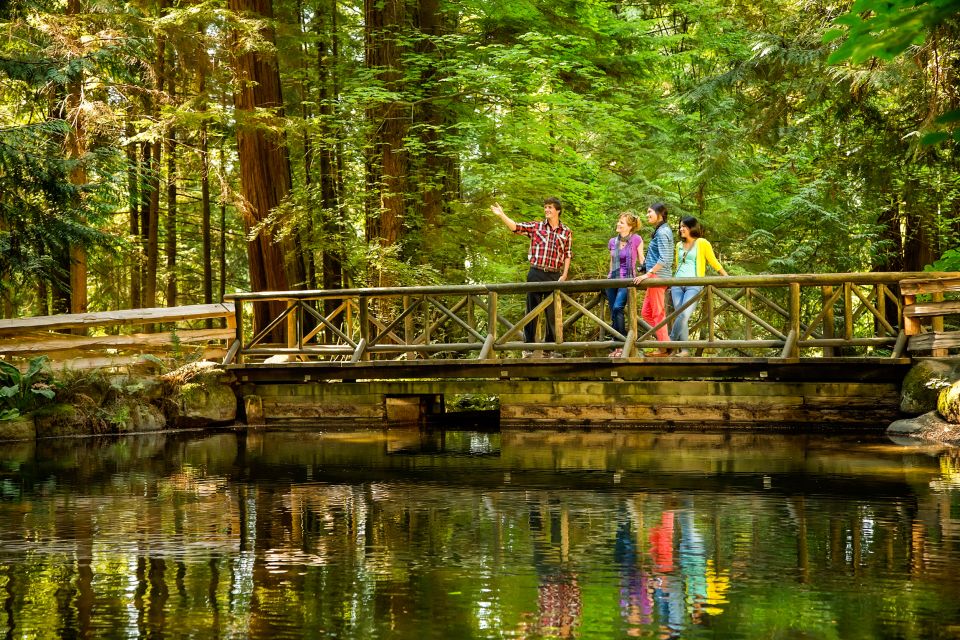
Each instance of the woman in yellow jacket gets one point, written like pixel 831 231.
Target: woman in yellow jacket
pixel 693 254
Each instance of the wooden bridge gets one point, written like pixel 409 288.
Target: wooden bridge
pixel 787 349
pixel 776 349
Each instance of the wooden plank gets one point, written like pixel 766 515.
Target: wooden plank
pixel 934 340
pixel 121 317
pixel 931 309
pixel 916 286
pixel 134 341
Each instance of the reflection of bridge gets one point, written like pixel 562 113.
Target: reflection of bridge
pixel 780 349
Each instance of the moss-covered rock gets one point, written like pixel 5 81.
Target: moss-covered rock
pixel 59 420
pixel 948 403
pixel 132 415
pixel 199 404
pixel 922 384
pixel 22 428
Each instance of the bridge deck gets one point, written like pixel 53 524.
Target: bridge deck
pixel 560 369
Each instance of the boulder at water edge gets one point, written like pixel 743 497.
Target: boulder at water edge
pixel 948 403
pixel 203 404
pixel 920 389
pixel 20 428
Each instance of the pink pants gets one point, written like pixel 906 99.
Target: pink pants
pixel 653 311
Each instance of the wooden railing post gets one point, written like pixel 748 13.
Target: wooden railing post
pixel 827 294
pixel 936 325
pixel 794 351
pixel 293 337
pixel 557 318
pixel 847 311
pixel 748 305
pixel 708 310
pixel 408 328
pixel 363 319
pixel 488 352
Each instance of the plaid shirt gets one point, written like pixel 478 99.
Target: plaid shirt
pixel 549 247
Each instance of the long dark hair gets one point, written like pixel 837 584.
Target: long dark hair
pixel 660 209
pixel 691 223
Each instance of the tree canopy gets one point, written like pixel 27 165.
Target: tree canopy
pixel 141 140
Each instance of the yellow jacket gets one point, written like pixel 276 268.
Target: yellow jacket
pixel 704 255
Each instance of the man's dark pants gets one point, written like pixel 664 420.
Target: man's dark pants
pixel 536 297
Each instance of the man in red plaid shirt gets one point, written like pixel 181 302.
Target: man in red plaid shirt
pixel 549 256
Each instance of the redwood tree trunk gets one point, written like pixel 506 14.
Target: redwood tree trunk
pixel 78 176
pixel 264 167
pixel 387 162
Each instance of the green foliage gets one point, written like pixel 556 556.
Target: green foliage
pixel 22 392
pixel 885 29
pixel 949 261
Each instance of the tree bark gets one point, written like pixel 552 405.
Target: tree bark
pixel 387 161
pixel 78 176
pixel 264 168
pixel 133 193
pixel 171 239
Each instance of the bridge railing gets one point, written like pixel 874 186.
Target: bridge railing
pixel 780 316
pixel 118 338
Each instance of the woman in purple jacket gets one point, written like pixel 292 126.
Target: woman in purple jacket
pixel 626 253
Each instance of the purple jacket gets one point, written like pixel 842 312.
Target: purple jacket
pixel 634 246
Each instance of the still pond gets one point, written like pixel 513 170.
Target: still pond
pixel 368 534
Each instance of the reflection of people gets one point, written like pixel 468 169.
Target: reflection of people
pixel 658 260
pixel 549 256
pixel 666 588
pixel 692 254
pixel 717 584
pixel 693 565
pixel 626 252
pixel 559 601
pixel 635 603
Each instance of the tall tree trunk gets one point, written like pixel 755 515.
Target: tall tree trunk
pixel 919 236
pixel 387 161
pixel 222 251
pixel 308 231
pixel 264 167
pixel 332 222
pixel 171 239
pixel 133 193
pixel 437 167
pixel 146 185
pixel 78 176
pixel 206 237
pixel 153 179
pixel 205 218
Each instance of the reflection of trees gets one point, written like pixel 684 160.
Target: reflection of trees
pixel 170 541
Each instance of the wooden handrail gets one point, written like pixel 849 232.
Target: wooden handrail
pixel 433 326
pixel 804 279
pixel 122 317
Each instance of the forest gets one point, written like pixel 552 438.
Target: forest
pixel 165 152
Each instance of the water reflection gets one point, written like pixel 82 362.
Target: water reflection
pixel 468 535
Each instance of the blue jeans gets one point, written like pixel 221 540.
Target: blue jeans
pixel 618 302
pixel 681 324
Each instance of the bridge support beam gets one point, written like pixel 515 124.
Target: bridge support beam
pixel 643 403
